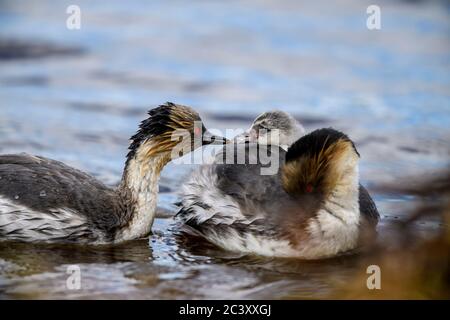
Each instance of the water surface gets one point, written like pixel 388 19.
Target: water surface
pixel 78 95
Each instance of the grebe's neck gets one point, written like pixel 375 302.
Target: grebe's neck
pixel 139 188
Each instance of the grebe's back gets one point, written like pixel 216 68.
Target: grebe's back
pixel 45 199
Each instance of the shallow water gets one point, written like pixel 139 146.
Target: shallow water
pixel 78 95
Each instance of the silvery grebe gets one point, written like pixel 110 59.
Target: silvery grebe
pixel 261 130
pixel 43 200
pixel 314 207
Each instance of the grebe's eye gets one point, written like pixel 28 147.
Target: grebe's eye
pixel 309 188
pixel 197 131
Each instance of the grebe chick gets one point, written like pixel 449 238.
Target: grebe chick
pixel 43 200
pixel 262 131
pixel 313 207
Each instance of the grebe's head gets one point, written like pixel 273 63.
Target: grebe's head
pixel 321 162
pixel 275 128
pixel 171 130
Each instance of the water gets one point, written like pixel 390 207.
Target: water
pixel 78 95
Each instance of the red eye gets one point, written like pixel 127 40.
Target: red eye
pixel 197 131
pixel 309 188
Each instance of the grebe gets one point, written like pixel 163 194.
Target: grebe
pixel 261 130
pixel 313 207
pixel 43 200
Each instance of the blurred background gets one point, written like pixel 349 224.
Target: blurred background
pixel 78 95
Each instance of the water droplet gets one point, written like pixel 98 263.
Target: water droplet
pixel 43 194
pixel 16 197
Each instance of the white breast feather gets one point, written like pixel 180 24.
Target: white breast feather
pixel 18 222
pixel 202 187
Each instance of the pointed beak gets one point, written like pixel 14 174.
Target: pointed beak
pixel 209 138
pixel 242 138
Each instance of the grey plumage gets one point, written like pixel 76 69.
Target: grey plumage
pixel 311 206
pixel 367 207
pixel 256 193
pixel 261 130
pixel 45 185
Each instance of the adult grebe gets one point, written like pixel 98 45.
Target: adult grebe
pixel 313 207
pixel 43 200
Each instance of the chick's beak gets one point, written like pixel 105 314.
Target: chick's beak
pixel 209 138
pixel 248 136
pixel 242 138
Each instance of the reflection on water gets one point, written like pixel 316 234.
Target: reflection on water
pixel 77 96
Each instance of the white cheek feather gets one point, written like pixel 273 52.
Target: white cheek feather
pixel 282 138
pixel 18 222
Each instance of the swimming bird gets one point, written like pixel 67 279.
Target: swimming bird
pixel 43 200
pixel 312 207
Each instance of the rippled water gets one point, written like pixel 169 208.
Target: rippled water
pixel 78 95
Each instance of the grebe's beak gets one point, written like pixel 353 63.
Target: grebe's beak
pixel 242 138
pixel 209 138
